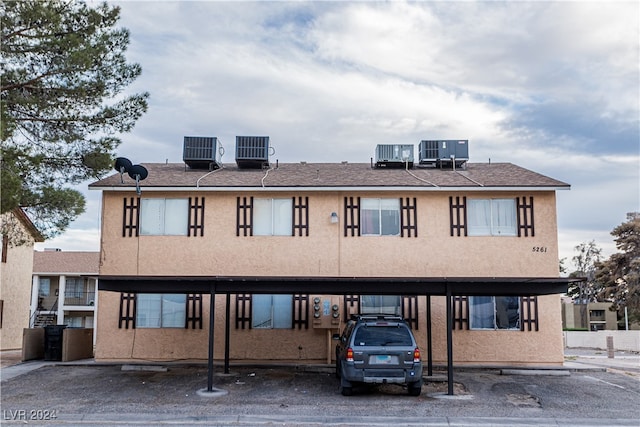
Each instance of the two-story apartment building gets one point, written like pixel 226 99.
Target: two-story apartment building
pixel 269 259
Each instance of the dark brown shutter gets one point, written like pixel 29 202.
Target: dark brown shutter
pixel 351 216
pixel 244 216
pixel 460 312
pixel 127 310
pixel 5 247
pixel 193 311
pixel 529 313
pixel 243 311
pixel 130 217
pixel 458 216
pixel 300 216
pixel 525 217
pixel 196 216
pixel 349 302
pixel 410 310
pixel 300 311
pixel 408 215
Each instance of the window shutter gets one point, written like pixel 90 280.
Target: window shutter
pixel 244 216
pixel 525 217
pixel 529 313
pixel 458 216
pixel 196 216
pixel 460 312
pixel 408 215
pixel 410 310
pixel 127 310
pixel 349 302
pixel 130 217
pixel 193 311
pixel 300 216
pixel 300 311
pixel 352 216
pixel 243 311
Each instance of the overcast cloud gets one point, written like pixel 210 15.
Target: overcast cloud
pixel 550 86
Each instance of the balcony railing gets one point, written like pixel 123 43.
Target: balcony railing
pixel 80 298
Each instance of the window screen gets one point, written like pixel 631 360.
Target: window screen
pixel 380 217
pixel 272 217
pixel 272 311
pixel 164 217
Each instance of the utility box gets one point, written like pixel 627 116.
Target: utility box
pixel 53 342
pixel 394 155
pixel 325 312
pixel 202 152
pixel 252 152
pixel 450 152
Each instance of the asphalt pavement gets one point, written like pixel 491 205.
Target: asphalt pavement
pixel 591 389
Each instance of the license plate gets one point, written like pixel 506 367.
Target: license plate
pixel 383 359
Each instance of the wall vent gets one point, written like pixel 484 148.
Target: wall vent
pixel 394 155
pixel 444 153
pixel 252 152
pixel 202 152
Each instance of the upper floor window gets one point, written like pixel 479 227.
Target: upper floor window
pixel 161 310
pixel 492 217
pixel 44 287
pixel 494 312
pixel 168 217
pixel 380 217
pixel 74 287
pixel 272 217
pixel 272 311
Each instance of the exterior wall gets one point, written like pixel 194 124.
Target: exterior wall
pixel 15 291
pixel 326 252
pixel 622 340
pixel 573 320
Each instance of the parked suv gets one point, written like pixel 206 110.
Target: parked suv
pixel 378 349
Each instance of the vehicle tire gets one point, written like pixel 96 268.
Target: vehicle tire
pixel 346 391
pixel 415 388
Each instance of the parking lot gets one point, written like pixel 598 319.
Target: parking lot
pixel 88 393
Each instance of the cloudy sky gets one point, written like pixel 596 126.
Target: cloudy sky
pixel 550 86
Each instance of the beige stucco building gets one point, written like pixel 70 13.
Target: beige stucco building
pixel 18 237
pixel 291 251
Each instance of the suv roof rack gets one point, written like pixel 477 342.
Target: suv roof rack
pixel 366 317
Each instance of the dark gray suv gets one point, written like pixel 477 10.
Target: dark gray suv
pixel 378 349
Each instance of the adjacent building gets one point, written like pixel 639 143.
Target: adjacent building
pixel 265 261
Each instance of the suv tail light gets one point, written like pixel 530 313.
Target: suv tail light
pixel 416 355
pixel 349 354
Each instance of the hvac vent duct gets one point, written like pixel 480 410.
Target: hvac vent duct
pixel 252 152
pixel 450 152
pixel 202 152
pixel 394 156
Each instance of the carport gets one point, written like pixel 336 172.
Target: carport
pixel 410 286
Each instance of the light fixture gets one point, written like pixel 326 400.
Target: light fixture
pixel 334 218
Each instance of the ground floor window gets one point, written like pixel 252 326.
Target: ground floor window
pixel 381 304
pixel 161 310
pixel 272 311
pixel 494 312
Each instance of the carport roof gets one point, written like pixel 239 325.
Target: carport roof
pixel 471 286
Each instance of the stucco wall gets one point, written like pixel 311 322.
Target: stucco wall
pixel 326 252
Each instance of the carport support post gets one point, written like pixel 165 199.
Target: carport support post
pixel 212 310
pixel 226 334
pixel 449 344
pixel 429 343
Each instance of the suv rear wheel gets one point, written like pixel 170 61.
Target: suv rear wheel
pixel 415 388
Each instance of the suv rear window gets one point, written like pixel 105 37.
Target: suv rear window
pixel 382 336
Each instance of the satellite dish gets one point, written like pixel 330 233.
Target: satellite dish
pixel 122 165
pixel 138 172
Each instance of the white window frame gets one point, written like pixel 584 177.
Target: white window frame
pixel 492 217
pixel 161 310
pixel 74 287
pixel 381 304
pixel 164 217
pixel 374 217
pixel 272 217
pixel 44 287
pixel 493 312
pixel 271 311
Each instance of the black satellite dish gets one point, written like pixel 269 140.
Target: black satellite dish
pixel 137 172
pixel 122 165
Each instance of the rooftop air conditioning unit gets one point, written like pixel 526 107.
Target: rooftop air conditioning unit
pixel 202 152
pixel 252 152
pixel 394 155
pixel 450 152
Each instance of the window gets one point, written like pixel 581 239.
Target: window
pixel 164 217
pixel 272 217
pixel 44 288
pixel 380 304
pixel 492 217
pixel 74 287
pixel 380 217
pixel 494 312
pixel 161 311
pixel 272 311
